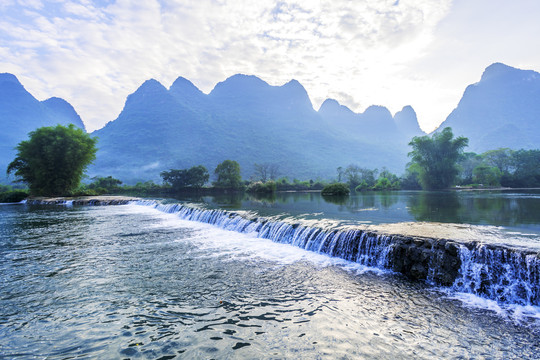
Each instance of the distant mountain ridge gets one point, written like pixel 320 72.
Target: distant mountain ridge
pixel 244 119
pixel 501 110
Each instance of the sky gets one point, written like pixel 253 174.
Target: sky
pixel 394 53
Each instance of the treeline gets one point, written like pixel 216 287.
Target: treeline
pixel 227 178
pixel 439 162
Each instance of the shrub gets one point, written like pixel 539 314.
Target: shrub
pixel 13 196
pixel 336 189
pixel 262 188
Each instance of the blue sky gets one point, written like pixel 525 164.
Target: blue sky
pixel 365 52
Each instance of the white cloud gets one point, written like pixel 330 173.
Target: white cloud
pixel 362 52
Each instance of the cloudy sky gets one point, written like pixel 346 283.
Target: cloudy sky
pixel 363 52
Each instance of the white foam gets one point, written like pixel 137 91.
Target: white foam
pixel 515 312
pixel 245 245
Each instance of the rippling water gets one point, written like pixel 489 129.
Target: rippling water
pixel 130 282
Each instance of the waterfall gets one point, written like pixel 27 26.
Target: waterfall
pixel 504 275
pixel 495 272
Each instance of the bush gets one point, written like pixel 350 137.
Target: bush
pixel 13 196
pixel 262 188
pixel 336 189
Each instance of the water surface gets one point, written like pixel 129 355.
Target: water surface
pixel 131 282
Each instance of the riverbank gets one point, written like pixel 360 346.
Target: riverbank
pixel 82 200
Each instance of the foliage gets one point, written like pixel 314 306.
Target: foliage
pixel 266 171
pixel 409 180
pixel 13 196
pixel 228 175
pixel 502 158
pixel 262 188
pixel 283 184
pixel 336 189
pixel 466 164
pixel 53 160
pixel 487 175
pixel 104 182
pixel 356 175
pixel 143 189
pixel 526 169
pixel 436 158
pixel 194 177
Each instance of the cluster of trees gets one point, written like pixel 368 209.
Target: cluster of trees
pixel 501 167
pixel 53 160
pixel 361 179
pixel 439 162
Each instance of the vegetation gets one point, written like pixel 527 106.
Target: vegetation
pixel 266 171
pixel 501 167
pixel 52 161
pixel 283 184
pixel 193 178
pixel 262 188
pixel 10 195
pixel 435 158
pixel 339 189
pixel 228 175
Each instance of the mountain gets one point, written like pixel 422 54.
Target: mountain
pixel 501 110
pixel 21 113
pixel 244 119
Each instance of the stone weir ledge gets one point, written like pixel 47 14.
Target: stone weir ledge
pixel 496 271
pixel 82 200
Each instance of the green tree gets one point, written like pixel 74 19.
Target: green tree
pixel 467 163
pixel 338 189
pixel 487 175
pixel 527 168
pixel 53 160
pixel 108 183
pixel 437 157
pixel 228 175
pixel 194 177
pixel 356 175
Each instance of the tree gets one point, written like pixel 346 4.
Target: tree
pixel 266 171
pixel 108 183
pixel 437 157
pixel 527 169
pixel 228 175
pixel 356 175
pixel 194 177
pixel 53 160
pixel 487 175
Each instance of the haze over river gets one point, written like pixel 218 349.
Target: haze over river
pixel 142 281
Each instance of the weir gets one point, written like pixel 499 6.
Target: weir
pixel 497 272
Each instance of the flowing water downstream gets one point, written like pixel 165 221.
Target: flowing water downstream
pixel 142 281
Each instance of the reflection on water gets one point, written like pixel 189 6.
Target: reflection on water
pixel 515 209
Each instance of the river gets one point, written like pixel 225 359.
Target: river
pixel 135 281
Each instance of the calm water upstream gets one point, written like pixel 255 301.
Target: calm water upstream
pixel 130 281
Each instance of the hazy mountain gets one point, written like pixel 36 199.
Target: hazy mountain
pixel 21 113
pixel 407 122
pixel 501 110
pixel 245 119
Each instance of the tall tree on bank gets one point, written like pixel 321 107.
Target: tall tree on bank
pixel 228 175
pixel 53 160
pixel 436 158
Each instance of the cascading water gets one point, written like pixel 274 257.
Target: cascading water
pixel 504 275
pixel 497 273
